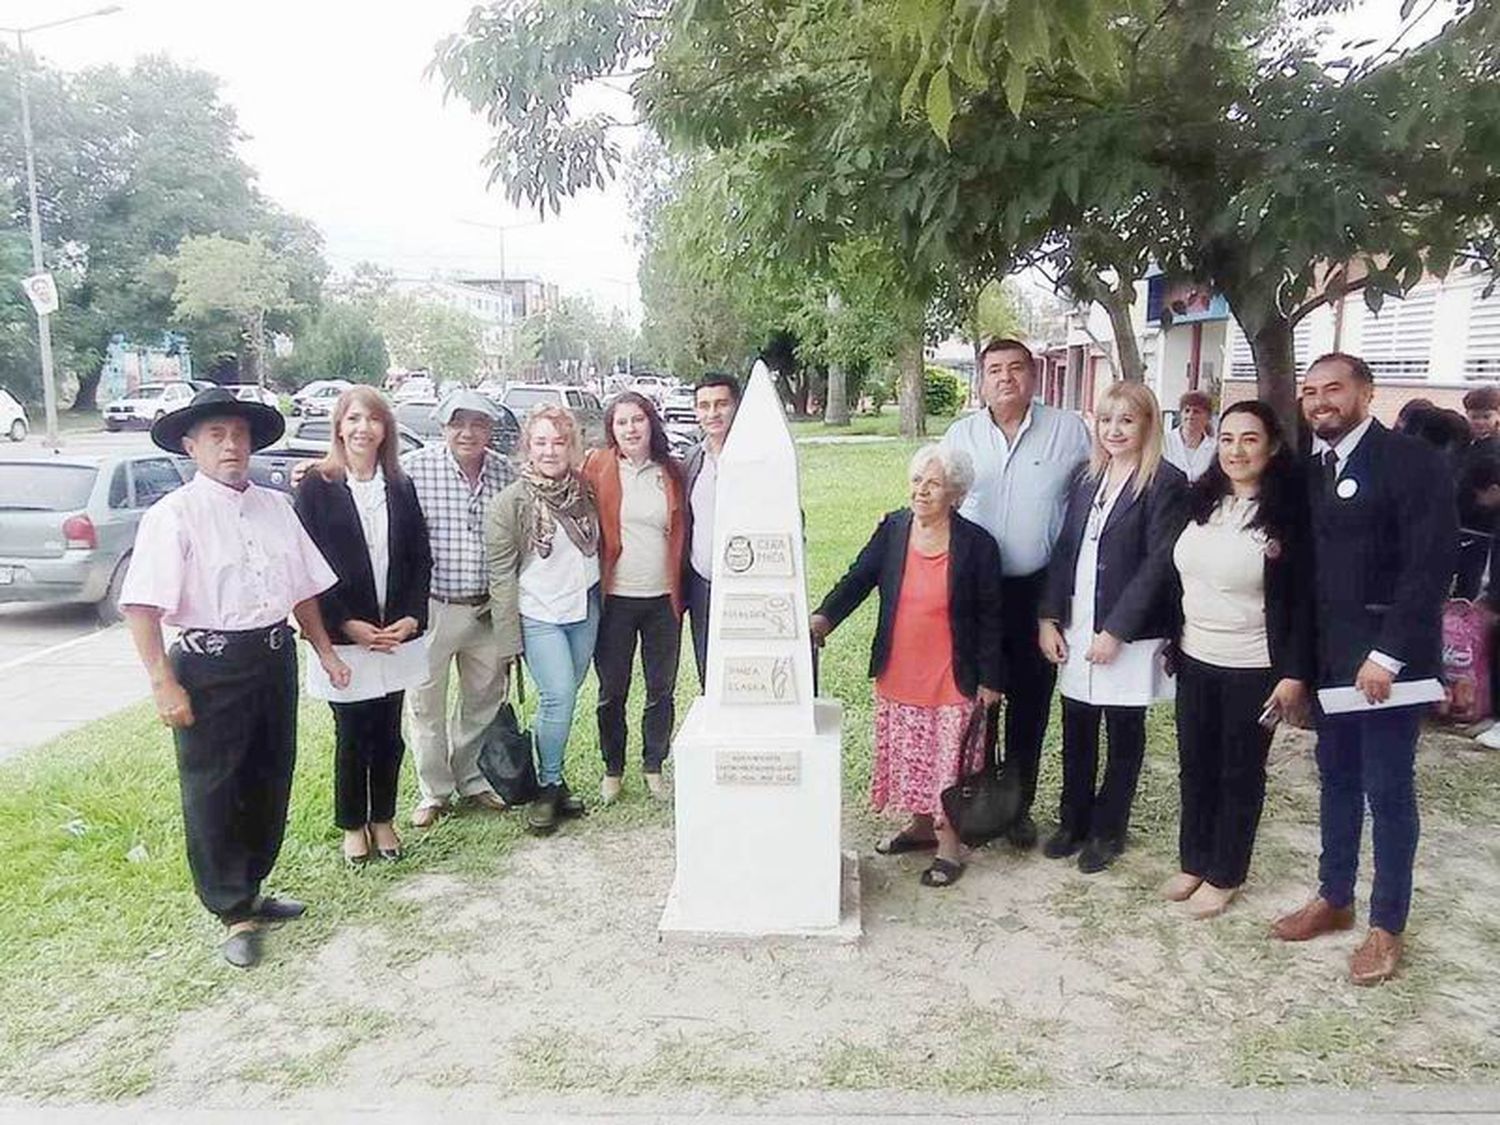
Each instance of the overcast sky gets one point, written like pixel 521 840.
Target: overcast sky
pixel 344 130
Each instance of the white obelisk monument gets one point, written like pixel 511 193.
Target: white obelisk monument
pixel 758 757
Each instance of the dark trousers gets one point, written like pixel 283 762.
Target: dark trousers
pixel 366 760
pixel 234 764
pixel 1473 555
pixel 660 633
pixel 1369 757
pixel 1221 756
pixel 1029 681
pixel 698 591
pixel 1105 813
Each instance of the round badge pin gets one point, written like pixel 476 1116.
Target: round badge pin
pixel 1347 488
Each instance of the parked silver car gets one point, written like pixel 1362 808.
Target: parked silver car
pixel 521 398
pixel 67 524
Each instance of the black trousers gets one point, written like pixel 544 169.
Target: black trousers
pixel 367 760
pixel 698 592
pixel 660 633
pixel 1102 813
pixel 234 764
pixel 1030 680
pixel 1221 755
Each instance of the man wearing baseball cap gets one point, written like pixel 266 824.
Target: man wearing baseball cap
pixel 225 562
pixel 455 483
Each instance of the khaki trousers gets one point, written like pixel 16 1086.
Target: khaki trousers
pixel 446 745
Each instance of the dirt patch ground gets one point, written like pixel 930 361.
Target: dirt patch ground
pixel 545 974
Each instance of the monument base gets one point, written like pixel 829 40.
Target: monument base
pixel 758 826
pixel 675 928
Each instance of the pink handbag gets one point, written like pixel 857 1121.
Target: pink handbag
pixel 1467 632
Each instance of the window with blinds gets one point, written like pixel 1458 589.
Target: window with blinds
pixel 1482 355
pixel 1397 341
pixel 1242 359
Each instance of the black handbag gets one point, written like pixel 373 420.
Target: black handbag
pixel 983 804
pixel 506 754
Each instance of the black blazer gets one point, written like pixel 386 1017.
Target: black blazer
pixel 1288 577
pixel 1384 557
pixel 1135 591
pixel 973 597
pixel 327 511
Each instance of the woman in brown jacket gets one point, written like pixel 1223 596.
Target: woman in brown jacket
pixel 639 490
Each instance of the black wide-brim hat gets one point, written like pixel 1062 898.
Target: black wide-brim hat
pixel 266 423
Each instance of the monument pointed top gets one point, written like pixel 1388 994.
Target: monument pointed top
pixel 760 430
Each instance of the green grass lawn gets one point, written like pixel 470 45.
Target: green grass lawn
pixel 885 424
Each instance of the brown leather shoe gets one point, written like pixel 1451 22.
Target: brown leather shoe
pixel 1377 958
pixel 1313 920
pixel 426 814
pixel 489 799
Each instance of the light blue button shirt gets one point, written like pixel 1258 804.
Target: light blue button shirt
pixel 1020 491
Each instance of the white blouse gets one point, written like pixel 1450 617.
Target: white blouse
pixel 1223 567
pixel 375 522
pixel 1137 676
pixel 556 589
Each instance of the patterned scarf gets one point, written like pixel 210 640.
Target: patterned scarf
pixel 564 501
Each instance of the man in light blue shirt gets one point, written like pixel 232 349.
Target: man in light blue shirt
pixel 1025 454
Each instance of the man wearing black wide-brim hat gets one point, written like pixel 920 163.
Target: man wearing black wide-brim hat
pixel 225 562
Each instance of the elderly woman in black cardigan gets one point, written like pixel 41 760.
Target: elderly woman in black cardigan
pixel 936 655
pixel 362 512
pixel 1245 654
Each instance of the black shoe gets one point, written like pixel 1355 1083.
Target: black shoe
pixel 1022 833
pixel 242 950
pixel 270 909
pixel 541 814
pixel 1097 854
pixel 567 803
pixel 1061 844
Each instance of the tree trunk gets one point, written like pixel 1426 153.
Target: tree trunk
pixel 836 400
pixel 1276 369
pixel 911 395
pixel 1116 303
pixel 86 400
pixel 253 367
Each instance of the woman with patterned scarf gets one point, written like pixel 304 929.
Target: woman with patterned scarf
pixel 543 544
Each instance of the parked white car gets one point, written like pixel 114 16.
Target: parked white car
pixel 13 421
pixel 249 392
pixel 149 402
pixel 416 388
pixel 317 398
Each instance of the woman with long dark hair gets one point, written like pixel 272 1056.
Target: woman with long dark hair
pixel 639 489
pixel 362 512
pixel 1244 655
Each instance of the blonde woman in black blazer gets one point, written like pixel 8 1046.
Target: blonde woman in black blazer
pixel 1107 613
pixel 362 512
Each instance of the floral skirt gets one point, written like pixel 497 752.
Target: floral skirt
pixel 916 755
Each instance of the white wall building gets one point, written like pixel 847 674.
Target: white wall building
pixel 500 304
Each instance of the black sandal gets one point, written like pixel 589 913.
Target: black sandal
pixel 942 873
pixel 903 842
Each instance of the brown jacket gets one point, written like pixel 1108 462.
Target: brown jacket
pixel 601 468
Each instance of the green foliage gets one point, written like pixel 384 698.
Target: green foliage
pixel 942 391
pixel 572 339
pixel 129 163
pixel 219 280
pixel 341 343
pixel 424 335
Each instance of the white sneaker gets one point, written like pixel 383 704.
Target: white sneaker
pixel 1490 739
pixel 656 785
pixel 609 789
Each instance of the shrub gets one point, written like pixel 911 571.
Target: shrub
pixel 943 391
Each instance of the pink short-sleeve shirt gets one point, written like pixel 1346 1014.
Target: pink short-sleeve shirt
pixel 214 557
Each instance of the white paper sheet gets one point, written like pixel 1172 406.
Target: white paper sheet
pixel 1404 693
pixel 371 674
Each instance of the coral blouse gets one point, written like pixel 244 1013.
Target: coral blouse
pixel 920 670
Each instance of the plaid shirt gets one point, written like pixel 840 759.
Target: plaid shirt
pixel 455 514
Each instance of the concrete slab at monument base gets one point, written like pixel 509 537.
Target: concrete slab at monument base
pixel 849 931
pixel 758 826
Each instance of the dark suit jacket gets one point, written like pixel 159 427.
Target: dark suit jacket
pixel 327 510
pixel 1135 590
pixel 973 597
pixel 1384 558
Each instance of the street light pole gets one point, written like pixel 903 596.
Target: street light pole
pixel 43 320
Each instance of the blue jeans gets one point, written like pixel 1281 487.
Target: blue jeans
pixel 1369 757
pixel 558 656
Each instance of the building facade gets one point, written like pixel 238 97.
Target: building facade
pixel 501 304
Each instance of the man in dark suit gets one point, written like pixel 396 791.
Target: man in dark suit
pixel 1384 530
pixel 716 397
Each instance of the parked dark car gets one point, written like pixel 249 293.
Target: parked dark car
pixel 307 442
pixel 67 524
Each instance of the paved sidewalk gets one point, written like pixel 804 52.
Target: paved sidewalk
pixel 49 692
pixel 1404 1105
